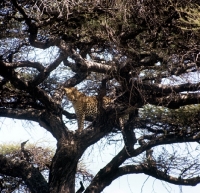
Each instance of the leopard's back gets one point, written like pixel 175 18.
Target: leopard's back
pixel 86 105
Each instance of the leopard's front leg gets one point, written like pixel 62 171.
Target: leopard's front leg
pixel 80 120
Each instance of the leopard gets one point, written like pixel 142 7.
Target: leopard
pixel 84 106
pixel 87 106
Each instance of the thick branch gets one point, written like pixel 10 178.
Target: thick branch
pixel 98 67
pixel 10 74
pixel 45 73
pixel 36 65
pixel 175 101
pixel 181 68
pixel 76 79
pixel 109 172
pixel 33 30
pixel 165 89
pixel 85 65
pixel 130 169
pixel 105 175
pixel 27 114
pixel 69 115
pixel 31 175
pixel 194 136
pixel 21 10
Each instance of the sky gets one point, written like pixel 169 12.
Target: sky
pixel 19 131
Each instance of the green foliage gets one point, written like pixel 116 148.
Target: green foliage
pixel 9 148
pixel 185 116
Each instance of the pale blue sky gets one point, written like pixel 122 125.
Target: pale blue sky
pixel 19 131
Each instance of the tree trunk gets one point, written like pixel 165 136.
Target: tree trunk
pixel 63 170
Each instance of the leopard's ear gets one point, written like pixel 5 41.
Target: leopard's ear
pixel 68 90
pixel 74 89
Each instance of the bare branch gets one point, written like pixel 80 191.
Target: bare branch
pixel 131 169
pixel 46 71
pixel 76 79
pixel 36 91
pixel 81 189
pixel 86 65
pixel 160 89
pixel 109 170
pixel 25 114
pixel 31 175
pixel 36 65
pixel 176 101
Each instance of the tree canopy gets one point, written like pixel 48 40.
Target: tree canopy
pixel 144 55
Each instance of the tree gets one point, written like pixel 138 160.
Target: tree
pixel 34 155
pixel 40 157
pixel 136 52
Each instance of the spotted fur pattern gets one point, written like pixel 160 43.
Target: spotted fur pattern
pixel 84 106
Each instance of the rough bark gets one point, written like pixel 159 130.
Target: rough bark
pixel 31 175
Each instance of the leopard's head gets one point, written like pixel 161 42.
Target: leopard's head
pixel 72 93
